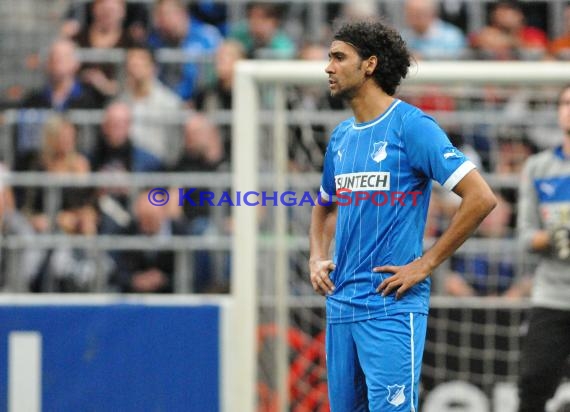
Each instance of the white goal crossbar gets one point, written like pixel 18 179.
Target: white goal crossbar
pixel 245 147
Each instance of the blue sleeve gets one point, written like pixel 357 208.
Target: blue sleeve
pixel 431 153
pixel 328 189
pixel 206 34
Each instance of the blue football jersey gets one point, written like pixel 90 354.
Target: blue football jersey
pixel 379 173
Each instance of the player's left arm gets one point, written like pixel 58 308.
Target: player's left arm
pixel 477 202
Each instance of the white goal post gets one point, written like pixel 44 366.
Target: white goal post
pixel 246 141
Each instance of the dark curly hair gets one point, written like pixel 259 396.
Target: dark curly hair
pixel 375 38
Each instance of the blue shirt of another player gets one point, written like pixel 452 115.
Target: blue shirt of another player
pixel 387 163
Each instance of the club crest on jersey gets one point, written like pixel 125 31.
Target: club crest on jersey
pixel 396 395
pixel 379 151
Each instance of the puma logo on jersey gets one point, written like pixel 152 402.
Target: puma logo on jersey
pixel 379 151
pixel 451 152
pixel 449 155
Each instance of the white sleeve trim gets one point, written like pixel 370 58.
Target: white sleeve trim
pixel 326 197
pixel 459 174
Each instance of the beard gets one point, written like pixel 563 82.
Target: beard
pixel 349 92
pixel 344 94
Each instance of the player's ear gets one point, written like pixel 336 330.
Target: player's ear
pixel 371 64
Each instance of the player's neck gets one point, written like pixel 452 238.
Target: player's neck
pixel 370 103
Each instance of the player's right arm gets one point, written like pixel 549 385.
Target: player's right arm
pixel 321 233
pixel 323 224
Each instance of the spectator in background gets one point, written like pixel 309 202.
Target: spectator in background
pixel 80 14
pixel 212 98
pixel 58 155
pixel 105 31
pixel 174 28
pixel 219 95
pixel 428 36
pixel 155 107
pixel 150 271
pixel 492 272
pixel 512 153
pixel 75 269
pixel 17 266
pixel 62 91
pixel 115 153
pixel 202 144
pixel 559 48
pixel 359 9
pixel 261 35
pixel 431 38
pixel 507 37
pixel 203 152
pixel 114 150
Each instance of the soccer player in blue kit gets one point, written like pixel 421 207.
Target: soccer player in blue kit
pixel 375 194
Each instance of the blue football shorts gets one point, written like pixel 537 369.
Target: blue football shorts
pixel 374 365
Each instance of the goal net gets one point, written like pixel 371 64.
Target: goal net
pixel 497 112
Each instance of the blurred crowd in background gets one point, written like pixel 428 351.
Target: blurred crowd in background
pixel 154 81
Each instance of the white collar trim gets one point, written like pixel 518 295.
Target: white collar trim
pixel 375 122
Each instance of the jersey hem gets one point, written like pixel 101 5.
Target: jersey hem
pixel 381 313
